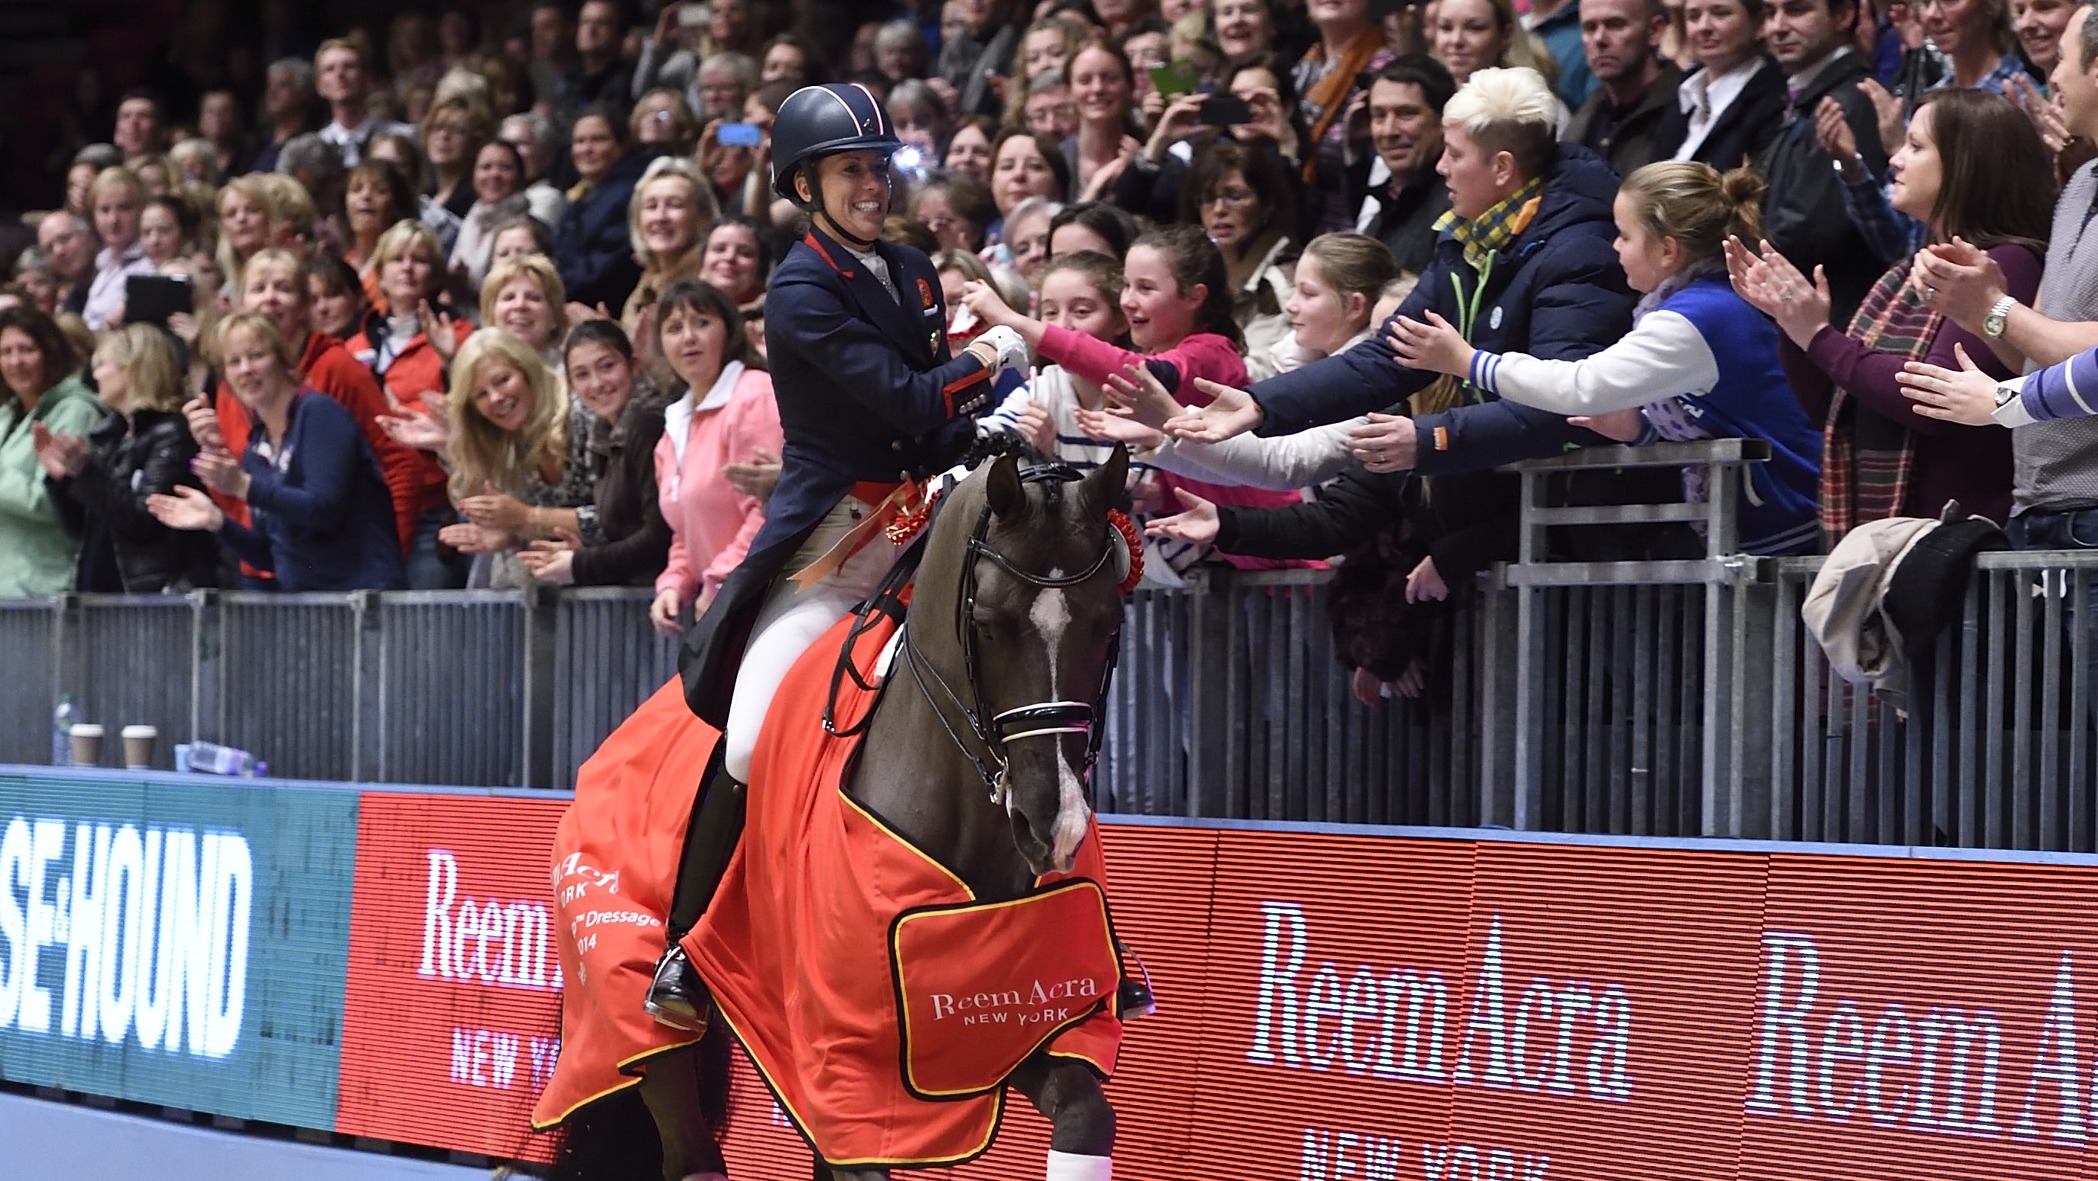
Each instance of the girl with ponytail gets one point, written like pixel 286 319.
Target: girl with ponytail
pixel 1699 363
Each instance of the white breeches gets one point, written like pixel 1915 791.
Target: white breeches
pixel 795 616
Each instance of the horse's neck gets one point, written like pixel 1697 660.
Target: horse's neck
pixel 912 775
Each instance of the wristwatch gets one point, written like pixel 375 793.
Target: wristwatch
pixel 1999 317
pixel 1851 169
pixel 2006 393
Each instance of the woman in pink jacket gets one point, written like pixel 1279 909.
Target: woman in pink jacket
pixel 727 416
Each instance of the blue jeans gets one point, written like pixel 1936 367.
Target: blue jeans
pixel 2075 529
pixel 429 566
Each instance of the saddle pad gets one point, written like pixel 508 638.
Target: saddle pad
pixel 1035 966
pixel 796 946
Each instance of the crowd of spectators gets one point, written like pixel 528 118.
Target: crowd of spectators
pixel 476 298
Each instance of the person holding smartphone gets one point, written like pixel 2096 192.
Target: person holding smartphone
pixel 1257 106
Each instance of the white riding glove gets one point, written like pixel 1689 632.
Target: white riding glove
pixel 1012 350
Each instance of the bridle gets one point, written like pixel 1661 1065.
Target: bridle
pixel 1041 719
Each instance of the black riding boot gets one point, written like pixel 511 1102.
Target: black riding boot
pixel 676 996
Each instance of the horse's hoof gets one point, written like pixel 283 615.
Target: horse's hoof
pixel 676 996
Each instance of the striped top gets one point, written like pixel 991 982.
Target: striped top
pixel 2068 389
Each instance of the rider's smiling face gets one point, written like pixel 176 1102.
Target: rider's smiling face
pixel 855 191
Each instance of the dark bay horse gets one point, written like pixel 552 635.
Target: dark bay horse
pixel 1007 651
pixel 979 748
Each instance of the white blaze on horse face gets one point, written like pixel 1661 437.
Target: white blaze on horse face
pixel 1051 615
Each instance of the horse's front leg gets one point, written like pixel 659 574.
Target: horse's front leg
pixel 1081 1121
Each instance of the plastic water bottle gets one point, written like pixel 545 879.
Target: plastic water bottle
pixel 62 732
pixel 210 758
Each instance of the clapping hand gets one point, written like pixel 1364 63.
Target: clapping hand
pixel 419 429
pixel 203 424
pixel 221 472
pixel 1964 395
pixel 469 538
pixel 551 561
pixel 1775 287
pixel 186 508
pixel 440 330
pixel 496 509
pixel 2045 112
pixel 63 456
pixel 1887 114
pixel 1230 412
pixel 1433 346
pixel 1958 280
pixel 1832 131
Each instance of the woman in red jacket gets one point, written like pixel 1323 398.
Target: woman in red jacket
pixel 407 343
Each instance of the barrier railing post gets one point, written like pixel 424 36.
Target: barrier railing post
pixel 1211 679
pixel 1497 687
pixel 1737 721
pixel 542 621
pixel 69 644
pixel 207 669
pixel 368 704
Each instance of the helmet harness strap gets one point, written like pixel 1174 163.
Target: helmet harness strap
pixel 814 206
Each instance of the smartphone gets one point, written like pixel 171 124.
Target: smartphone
pixel 1174 78
pixel 740 135
pixel 1224 110
pixel 151 299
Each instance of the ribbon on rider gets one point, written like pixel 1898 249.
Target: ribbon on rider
pixel 885 503
pixel 1037 966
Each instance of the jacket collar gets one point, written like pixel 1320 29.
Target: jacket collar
pixel 902 319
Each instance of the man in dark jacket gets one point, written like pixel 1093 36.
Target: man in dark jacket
pixel 1636 91
pixel 1803 214
pixel 1526 265
pixel 1404 197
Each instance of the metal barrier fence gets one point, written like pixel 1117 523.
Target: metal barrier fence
pixel 1670 709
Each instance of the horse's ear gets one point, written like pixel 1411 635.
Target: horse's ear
pixel 1105 485
pixel 1002 486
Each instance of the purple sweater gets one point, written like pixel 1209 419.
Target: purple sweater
pixel 1951 462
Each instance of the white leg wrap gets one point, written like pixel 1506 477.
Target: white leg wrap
pixel 1069 1166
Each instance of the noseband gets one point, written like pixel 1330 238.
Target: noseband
pixel 1042 718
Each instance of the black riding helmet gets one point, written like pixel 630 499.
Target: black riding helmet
pixel 819 121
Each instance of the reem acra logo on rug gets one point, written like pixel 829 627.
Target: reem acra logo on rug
pixel 1040 1002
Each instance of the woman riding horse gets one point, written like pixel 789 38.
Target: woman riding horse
pixel 871 401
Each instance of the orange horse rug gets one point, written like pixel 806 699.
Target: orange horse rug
pixel 883 1002
pixel 615 863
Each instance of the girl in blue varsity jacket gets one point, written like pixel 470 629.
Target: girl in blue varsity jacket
pixel 1699 362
